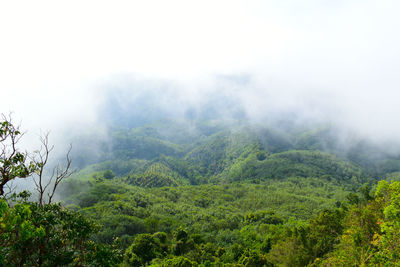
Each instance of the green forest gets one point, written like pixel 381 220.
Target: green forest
pixel 202 193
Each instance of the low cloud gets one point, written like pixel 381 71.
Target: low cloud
pixel 130 62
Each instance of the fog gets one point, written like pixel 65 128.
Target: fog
pixel 78 67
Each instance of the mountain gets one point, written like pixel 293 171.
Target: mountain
pixel 224 191
pixel 225 151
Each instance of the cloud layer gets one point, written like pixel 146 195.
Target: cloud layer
pixel 61 63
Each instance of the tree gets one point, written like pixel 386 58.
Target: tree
pixel 176 261
pixel 144 248
pixel 59 173
pixel 42 233
pixel 108 174
pixel 13 162
pixel 388 240
pixel 50 235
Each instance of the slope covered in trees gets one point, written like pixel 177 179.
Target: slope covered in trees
pixel 215 193
pixel 205 193
pixel 216 152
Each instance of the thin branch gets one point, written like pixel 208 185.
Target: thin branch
pixel 62 173
pixel 59 173
pixel 10 189
pixel 41 162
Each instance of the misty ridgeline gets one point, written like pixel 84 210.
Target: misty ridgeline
pixel 200 188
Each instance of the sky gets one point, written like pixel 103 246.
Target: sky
pixel 327 60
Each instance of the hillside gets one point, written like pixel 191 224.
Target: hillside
pixel 220 152
pixel 236 192
pixel 216 193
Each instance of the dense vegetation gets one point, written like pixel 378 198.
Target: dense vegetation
pixel 216 194
pixel 41 233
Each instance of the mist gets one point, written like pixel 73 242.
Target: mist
pixel 79 68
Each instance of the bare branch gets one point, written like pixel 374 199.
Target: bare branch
pixel 10 187
pixel 14 163
pixel 61 174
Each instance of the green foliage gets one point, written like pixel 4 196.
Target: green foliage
pixel 252 258
pixel 128 146
pixel 108 174
pixel 293 164
pixel 371 231
pixel 266 217
pixel 156 175
pixel 13 162
pixel 204 223
pixel 388 242
pixel 151 156
pixel 176 261
pixel 35 235
pixel 214 195
pixel 144 248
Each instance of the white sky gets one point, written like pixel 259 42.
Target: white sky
pixel 339 57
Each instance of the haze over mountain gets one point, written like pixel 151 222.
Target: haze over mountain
pixel 204 133
pixel 67 67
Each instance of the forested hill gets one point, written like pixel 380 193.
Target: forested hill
pixel 220 152
pixel 229 193
pixel 204 193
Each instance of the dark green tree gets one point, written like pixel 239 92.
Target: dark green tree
pixel 50 235
pixel 108 174
pixel 13 162
pixel 144 248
